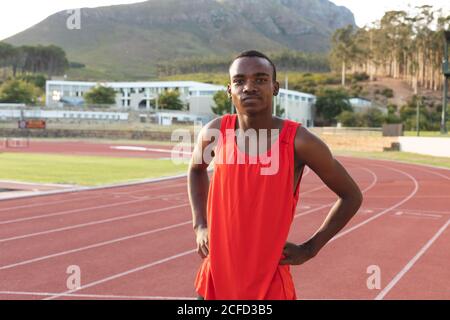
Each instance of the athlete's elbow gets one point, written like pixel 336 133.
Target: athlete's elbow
pixel 353 199
pixel 356 199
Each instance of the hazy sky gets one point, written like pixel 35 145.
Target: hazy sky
pixel 18 15
pixel 367 11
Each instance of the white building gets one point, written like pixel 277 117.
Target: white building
pixel 197 96
pixel 298 106
pixel 360 105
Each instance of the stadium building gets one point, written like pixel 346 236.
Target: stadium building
pixel 196 96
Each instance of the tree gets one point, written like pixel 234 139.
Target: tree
pixel 170 100
pixel 279 111
pixel 428 121
pixel 403 45
pixel 33 59
pixel 373 118
pixel 223 103
pixel 100 95
pixel 330 103
pixel 350 119
pixel 344 48
pixel 18 91
pixel 38 80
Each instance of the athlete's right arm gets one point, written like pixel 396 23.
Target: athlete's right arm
pixel 198 184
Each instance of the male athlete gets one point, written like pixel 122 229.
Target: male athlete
pixel 242 217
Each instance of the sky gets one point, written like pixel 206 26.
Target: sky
pixel 367 11
pixel 18 15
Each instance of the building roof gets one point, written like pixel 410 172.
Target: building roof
pixel 192 85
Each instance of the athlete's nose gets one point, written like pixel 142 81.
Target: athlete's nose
pixel 249 87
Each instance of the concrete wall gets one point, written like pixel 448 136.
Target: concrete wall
pixel 439 147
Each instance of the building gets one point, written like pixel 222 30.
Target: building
pixel 360 105
pixel 297 106
pixel 197 96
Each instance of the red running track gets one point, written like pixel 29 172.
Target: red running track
pixel 136 242
pixel 83 148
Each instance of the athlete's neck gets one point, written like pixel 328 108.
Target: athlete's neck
pixel 257 122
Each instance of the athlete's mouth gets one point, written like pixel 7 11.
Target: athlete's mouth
pixel 251 98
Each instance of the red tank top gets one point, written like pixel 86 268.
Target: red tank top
pixel 249 216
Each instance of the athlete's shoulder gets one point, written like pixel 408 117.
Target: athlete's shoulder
pixel 308 145
pixel 214 123
pixel 303 134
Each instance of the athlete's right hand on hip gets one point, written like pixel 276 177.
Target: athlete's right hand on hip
pixel 202 241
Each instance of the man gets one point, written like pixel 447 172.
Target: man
pixel 242 219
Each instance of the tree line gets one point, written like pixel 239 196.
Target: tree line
pixel 50 60
pixel 402 45
pixel 286 60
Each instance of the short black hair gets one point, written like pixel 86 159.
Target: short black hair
pixel 254 53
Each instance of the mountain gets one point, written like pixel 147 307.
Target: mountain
pixel 128 40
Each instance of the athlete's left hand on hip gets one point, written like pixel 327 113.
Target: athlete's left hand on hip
pixel 296 254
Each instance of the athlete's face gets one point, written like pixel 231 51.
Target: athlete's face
pixel 252 85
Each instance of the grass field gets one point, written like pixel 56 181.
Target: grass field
pixel 399 156
pixel 85 171
pixel 435 134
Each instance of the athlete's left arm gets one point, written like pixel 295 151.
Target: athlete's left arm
pixel 313 152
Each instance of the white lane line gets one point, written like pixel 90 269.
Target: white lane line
pixel 411 263
pixel 90 223
pixel 61 213
pixel 418 214
pixel 116 204
pixel 138 192
pixel 94 195
pixel 47 203
pixel 127 272
pixel 95 245
pixel 416 210
pixel 101 244
pixel 416 188
pixel 409 164
pixel 99 296
pixel 133 148
pixel 118 275
pixel 436 173
pixel 411 195
pixel 142 213
pixel 100 188
pixel 373 183
pixel 149 190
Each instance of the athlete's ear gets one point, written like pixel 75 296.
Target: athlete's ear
pixel 276 88
pixel 229 91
